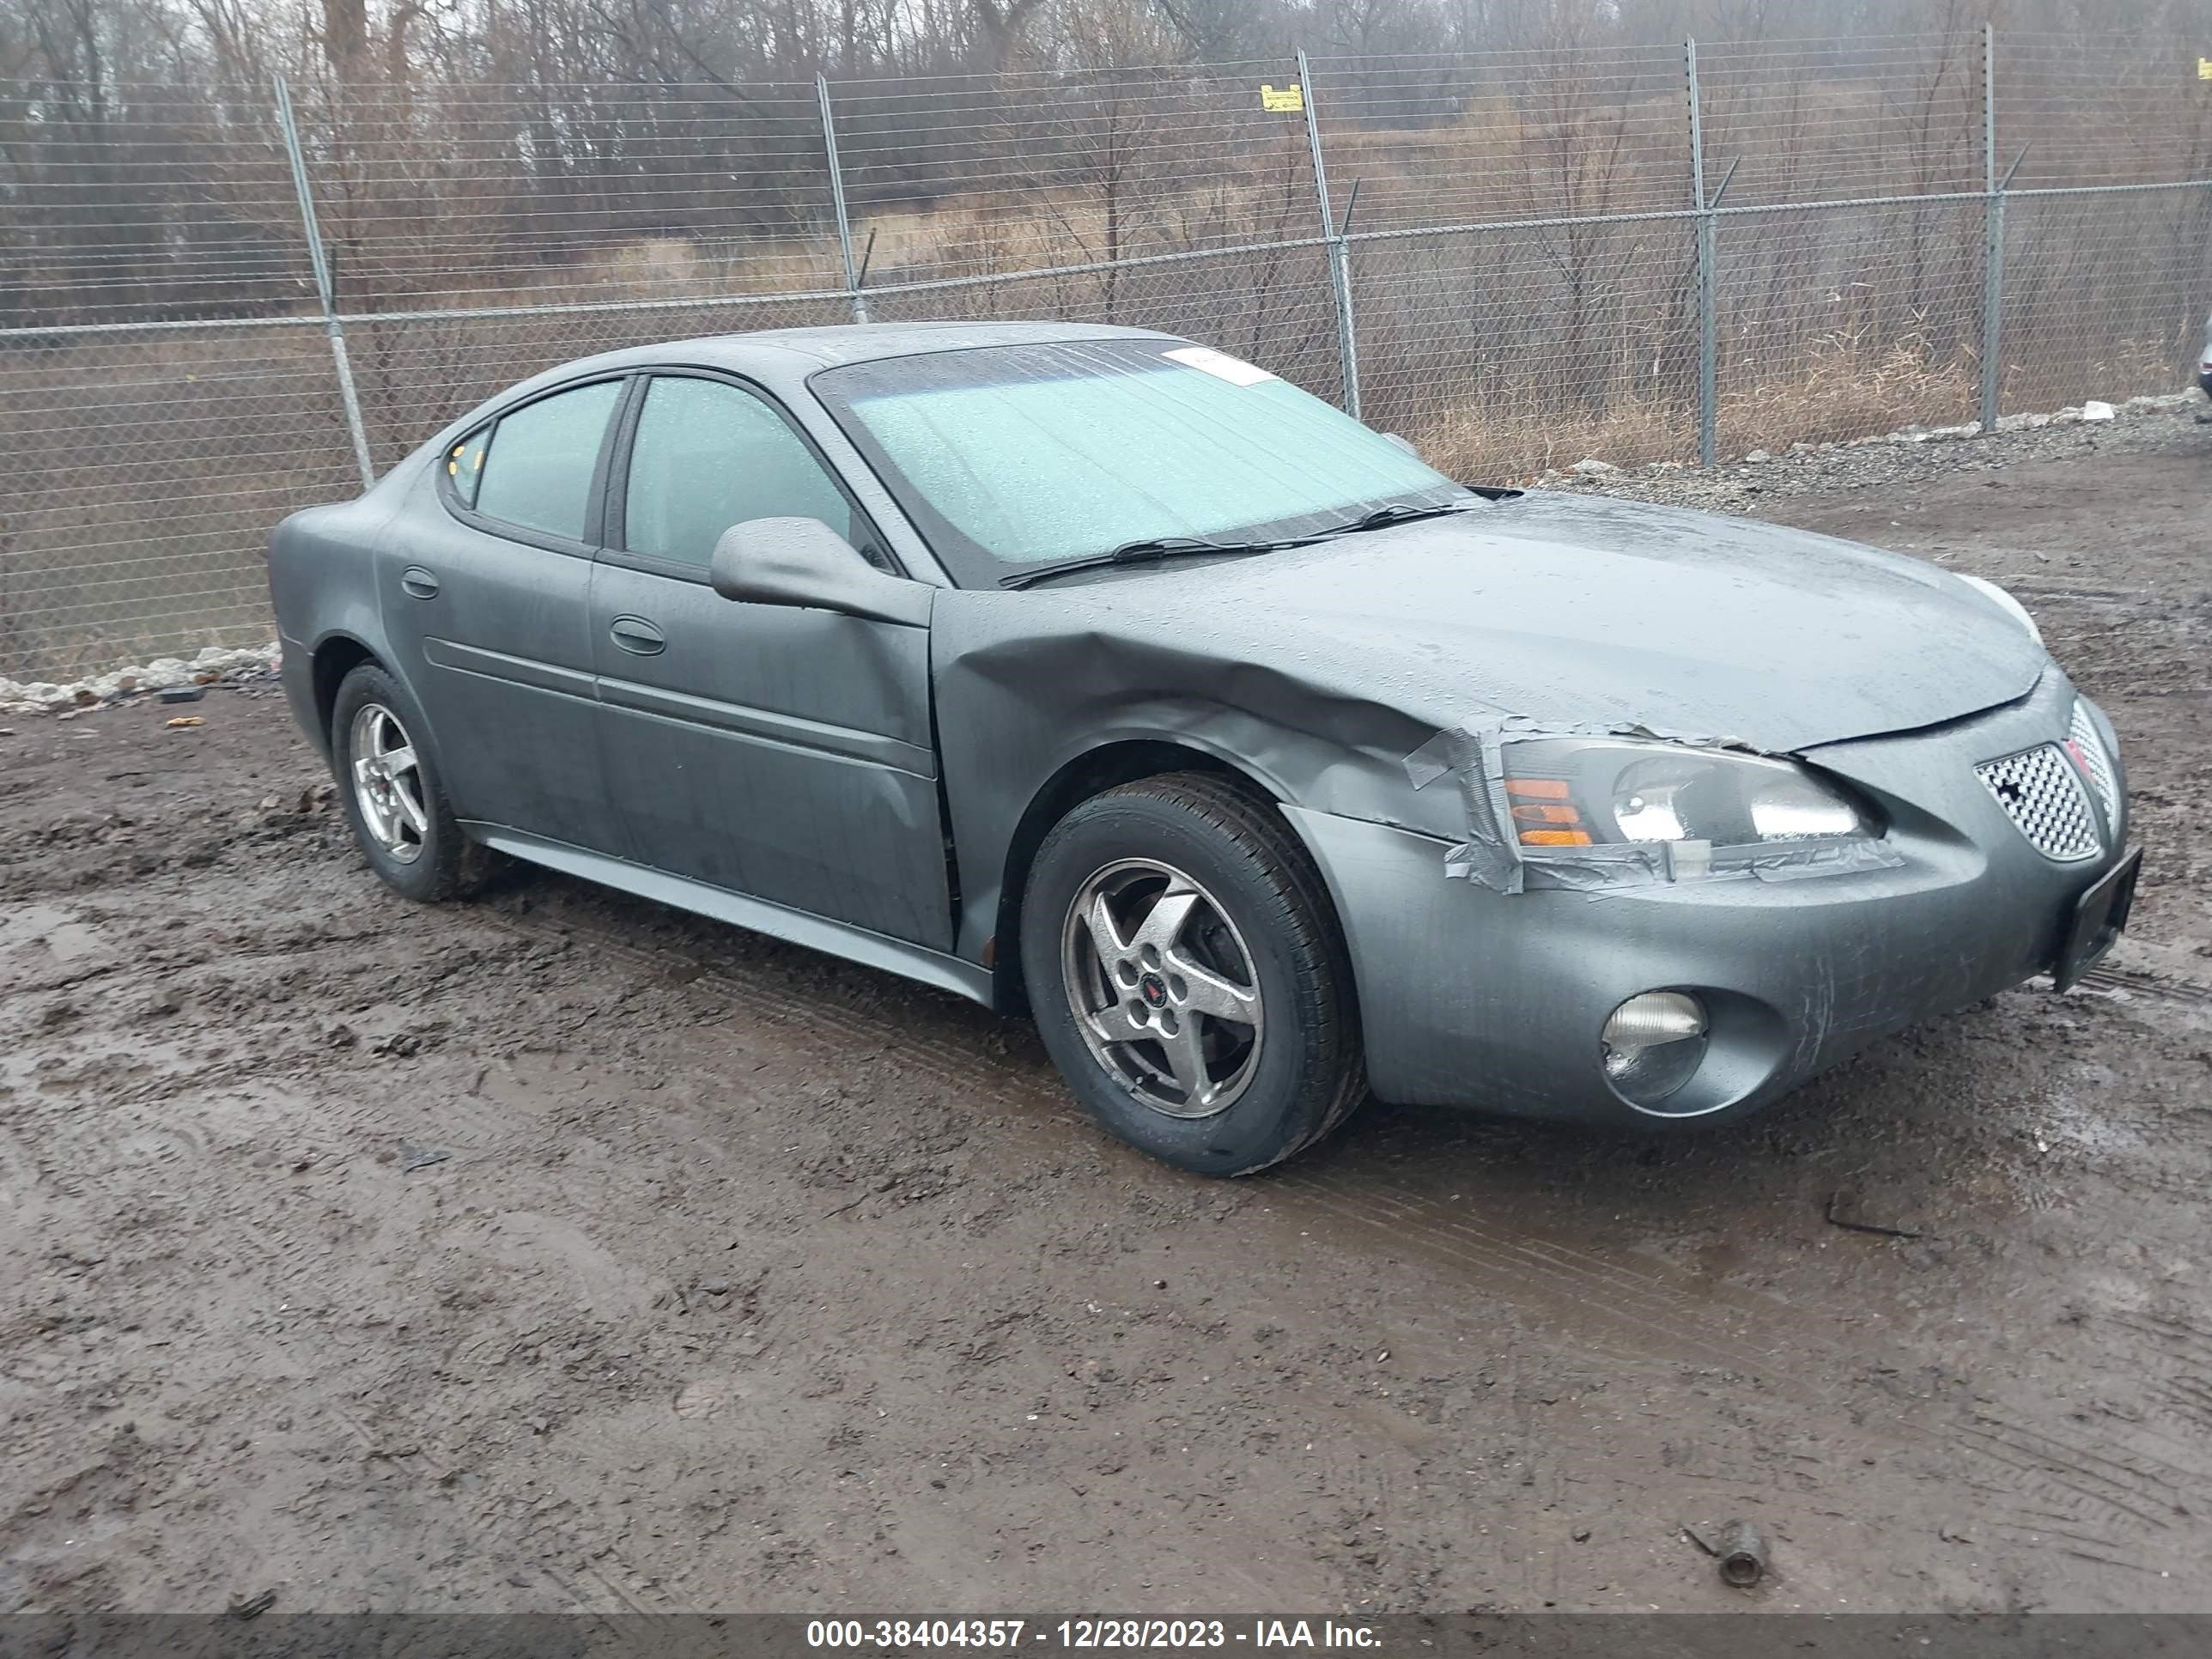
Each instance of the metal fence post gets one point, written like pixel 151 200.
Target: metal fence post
pixel 1340 255
pixel 837 196
pixel 1708 255
pixel 351 398
pixel 1992 235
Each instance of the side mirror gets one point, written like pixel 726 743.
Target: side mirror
pixel 806 563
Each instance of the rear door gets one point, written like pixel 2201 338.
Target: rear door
pixel 488 605
pixel 782 753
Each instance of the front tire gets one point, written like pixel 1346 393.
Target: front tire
pixel 394 802
pixel 1187 975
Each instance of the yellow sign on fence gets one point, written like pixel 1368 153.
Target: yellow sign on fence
pixel 2205 69
pixel 1294 98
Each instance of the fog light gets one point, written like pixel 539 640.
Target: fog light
pixel 1653 1044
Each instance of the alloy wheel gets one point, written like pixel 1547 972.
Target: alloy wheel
pixel 387 783
pixel 1163 988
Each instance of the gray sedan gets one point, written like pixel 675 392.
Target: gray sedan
pixel 1098 675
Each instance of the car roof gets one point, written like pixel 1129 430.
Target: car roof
pixel 855 343
pixel 781 358
pixel 778 352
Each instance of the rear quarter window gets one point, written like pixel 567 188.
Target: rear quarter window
pixel 465 465
pixel 537 472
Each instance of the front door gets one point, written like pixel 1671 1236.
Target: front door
pixel 488 608
pixel 782 753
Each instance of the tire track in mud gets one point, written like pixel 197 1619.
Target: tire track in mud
pixel 2149 982
pixel 616 1587
pixel 1643 1307
pixel 547 1520
pixel 2114 1493
pixel 620 1587
pixel 2062 592
pixel 2194 1342
pixel 101 1159
pixel 2106 1498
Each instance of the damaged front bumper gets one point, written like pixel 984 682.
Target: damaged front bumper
pixel 1473 994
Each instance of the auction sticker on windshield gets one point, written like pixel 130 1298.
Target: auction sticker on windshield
pixel 1235 370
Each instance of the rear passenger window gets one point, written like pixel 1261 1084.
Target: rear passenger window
pixel 707 456
pixel 538 472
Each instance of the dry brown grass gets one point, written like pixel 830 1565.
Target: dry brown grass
pixel 1841 387
pixel 1022 229
pixel 669 268
pixel 1509 440
pixel 1836 390
pixel 2052 374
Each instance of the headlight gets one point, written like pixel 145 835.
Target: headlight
pixel 2005 602
pixel 1569 791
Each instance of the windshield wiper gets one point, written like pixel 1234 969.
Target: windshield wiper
pixel 1176 547
pixel 1140 552
pixel 1397 513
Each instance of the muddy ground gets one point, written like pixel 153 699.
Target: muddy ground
pixel 560 1251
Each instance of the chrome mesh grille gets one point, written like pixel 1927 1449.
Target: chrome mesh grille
pixel 2083 731
pixel 2040 789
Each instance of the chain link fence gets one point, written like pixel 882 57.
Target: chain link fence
pixel 217 305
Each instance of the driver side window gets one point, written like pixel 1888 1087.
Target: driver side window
pixel 707 455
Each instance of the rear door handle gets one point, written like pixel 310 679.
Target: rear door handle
pixel 638 636
pixel 418 583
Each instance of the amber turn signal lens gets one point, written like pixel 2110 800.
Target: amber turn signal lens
pixel 1545 801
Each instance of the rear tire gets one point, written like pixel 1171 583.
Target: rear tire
pixel 395 803
pixel 1188 977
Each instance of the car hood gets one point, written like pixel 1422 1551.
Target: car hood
pixel 1571 611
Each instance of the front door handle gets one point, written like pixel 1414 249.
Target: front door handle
pixel 418 583
pixel 638 636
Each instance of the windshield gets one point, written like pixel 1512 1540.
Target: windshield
pixel 1009 456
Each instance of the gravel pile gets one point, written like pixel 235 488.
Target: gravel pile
pixel 212 664
pixel 1895 460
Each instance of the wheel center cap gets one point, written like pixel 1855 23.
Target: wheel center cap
pixel 1154 990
